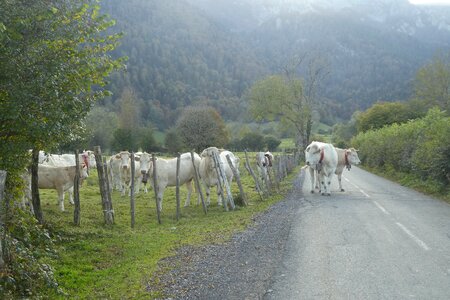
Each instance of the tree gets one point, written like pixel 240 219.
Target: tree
pixel 52 55
pixel 272 143
pixel 201 127
pixel 54 61
pixel 276 98
pixel 289 98
pixel 432 83
pixel 173 141
pixel 384 113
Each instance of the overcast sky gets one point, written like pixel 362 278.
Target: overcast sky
pixel 431 2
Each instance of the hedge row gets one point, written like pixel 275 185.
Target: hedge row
pixel 420 147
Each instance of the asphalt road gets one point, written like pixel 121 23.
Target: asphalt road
pixel 376 240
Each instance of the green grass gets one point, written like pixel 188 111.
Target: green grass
pixel 118 262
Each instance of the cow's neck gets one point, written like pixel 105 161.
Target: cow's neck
pixel 321 156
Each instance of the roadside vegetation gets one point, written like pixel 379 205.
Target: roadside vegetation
pixel 97 261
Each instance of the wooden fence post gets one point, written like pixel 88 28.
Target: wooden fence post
pixel 2 217
pixel 108 212
pixel 250 171
pixel 197 183
pixel 76 191
pixel 155 188
pixel 222 178
pixel 238 180
pixel 177 186
pixel 133 168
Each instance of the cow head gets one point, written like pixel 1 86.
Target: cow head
pixel 312 154
pixel 124 157
pixel 146 165
pixel 352 156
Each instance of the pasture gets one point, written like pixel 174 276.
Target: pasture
pixel 98 261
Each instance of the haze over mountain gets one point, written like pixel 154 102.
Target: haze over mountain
pixel 211 51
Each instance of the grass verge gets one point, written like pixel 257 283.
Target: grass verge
pixel 117 262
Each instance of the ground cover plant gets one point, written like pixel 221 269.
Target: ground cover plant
pixel 99 261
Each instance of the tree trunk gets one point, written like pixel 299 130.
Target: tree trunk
pixel 35 198
pixel 76 191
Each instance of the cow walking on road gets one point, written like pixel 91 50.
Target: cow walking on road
pixel 323 158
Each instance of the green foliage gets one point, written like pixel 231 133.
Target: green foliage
pixel 418 147
pixel 55 57
pixel 272 143
pixel 432 83
pixel 384 113
pixel 201 127
pixel 279 98
pixel 253 141
pixel 173 141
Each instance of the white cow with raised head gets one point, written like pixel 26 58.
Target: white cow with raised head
pixel 166 171
pixel 323 158
pixel 208 173
pixel 121 163
pixel 264 164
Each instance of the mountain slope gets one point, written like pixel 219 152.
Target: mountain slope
pixel 177 56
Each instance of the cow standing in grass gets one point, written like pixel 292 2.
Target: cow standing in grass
pixel 208 173
pixel 166 172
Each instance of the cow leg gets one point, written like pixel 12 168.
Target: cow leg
pixel 323 181
pixel 137 181
pixel 220 199
pixel 188 198
pixel 317 180
pixel 160 198
pixel 311 176
pixel 340 182
pixel 208 194
pixel 60 192
pixel 70 192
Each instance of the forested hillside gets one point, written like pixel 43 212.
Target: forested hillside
pixel 178 57
pixel 210 52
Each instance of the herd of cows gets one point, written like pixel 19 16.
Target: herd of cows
pixel 58 171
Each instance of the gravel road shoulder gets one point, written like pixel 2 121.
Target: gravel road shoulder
pixel 240 269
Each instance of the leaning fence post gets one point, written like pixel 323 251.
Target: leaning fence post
pixel 155 188
pixel 249 169
pixel 76 190
pixel 238 180
pixel 219 182
pixel 133 169
pixel 108 213
pixel 2 216
pixel 177 186
pixel 197 183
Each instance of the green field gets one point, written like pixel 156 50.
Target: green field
pixel 96 261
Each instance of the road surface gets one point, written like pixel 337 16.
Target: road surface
pixel 376 240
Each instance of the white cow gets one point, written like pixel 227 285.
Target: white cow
pixel 264 164
pixel 86 158
pixel 166 170
pixel 114 173
pixel 323 158
pixel 60 178
pixel 124 157
pixel 346 158
pixel 208 172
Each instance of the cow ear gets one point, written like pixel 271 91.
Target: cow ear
pixel 117 155
pixel 137 158
pixel 307 149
